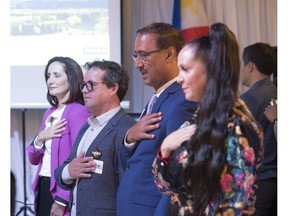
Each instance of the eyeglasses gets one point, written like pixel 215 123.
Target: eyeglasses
pixel 143 55
pixel 90 86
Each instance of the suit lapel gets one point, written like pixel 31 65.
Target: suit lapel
pixel 109 127
pixel 164 95
pixel 56 141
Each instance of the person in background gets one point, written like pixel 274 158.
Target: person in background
pixel 95 167
pixel 259 63
pixel 211 168
pixel 271 110
pixel 270 113
pixel 156 49
pixel 60 126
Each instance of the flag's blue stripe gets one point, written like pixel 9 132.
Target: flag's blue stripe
pixel 176 14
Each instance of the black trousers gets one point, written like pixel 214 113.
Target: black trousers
pixel 45 199
pixel 266 201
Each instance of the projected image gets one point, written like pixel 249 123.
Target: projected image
pixel 58 17
pixel 75 28
pixel 84 30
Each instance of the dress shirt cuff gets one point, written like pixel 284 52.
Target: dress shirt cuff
pixel 60 203
pixel 66 178
pixel 129 146
pixel 35 145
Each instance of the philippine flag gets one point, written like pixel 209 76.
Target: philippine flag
pixel 190 17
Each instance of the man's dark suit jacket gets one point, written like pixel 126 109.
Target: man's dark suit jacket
pixel 137 193
pixel 97 196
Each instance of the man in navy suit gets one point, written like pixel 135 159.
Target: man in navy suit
pixel 156 48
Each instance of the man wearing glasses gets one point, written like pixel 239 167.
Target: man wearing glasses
pixel 156 48
pixel 95 165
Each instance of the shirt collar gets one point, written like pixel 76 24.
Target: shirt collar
pixel 163 87
pixel 104 118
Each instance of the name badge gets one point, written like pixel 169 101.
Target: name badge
pixel 99 166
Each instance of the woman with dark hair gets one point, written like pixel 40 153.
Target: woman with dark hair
pixel 58 132
pixel 210 167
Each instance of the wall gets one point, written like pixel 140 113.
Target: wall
pixel 251 22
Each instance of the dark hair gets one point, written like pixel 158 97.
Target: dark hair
pixel 262 55
pixel 75 77
pixel 167 35
pixel 114 74
pixel 219 51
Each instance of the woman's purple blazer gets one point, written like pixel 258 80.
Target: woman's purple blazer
pixel 76 116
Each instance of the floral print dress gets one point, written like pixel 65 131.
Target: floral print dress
pixel 244 155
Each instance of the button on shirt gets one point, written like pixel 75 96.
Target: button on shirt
pixel 95 126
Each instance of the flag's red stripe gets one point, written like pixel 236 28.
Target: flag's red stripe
pixel 194 32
